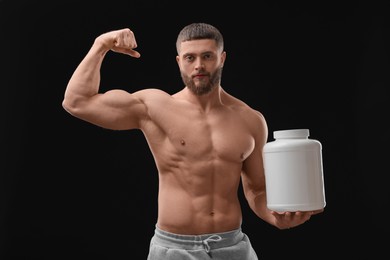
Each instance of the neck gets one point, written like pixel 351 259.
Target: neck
pixel 207 101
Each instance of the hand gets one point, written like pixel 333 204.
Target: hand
pixel 121 41
pixel 286 220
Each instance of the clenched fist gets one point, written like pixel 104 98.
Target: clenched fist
pixel 122 41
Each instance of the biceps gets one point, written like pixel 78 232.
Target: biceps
pixel 115 109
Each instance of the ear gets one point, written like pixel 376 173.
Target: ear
pixel 223 57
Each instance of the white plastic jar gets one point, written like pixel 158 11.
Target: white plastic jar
pixel 294 172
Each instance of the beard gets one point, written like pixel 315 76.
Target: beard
pixel 203 87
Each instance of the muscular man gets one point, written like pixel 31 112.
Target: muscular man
pixel 204 141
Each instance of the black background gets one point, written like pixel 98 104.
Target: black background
pixel 72 190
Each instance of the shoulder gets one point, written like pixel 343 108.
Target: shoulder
pixel 145 94
pixel 152 96
pixel 253 118
pixel 243 108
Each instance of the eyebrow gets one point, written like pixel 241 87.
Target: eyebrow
pixel 193 54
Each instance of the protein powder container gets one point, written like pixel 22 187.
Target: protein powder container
pixel 294 172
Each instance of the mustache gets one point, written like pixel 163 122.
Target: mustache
pixel 203 73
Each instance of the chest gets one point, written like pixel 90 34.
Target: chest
pixel 222 135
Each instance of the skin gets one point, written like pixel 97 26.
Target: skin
pixel 203 144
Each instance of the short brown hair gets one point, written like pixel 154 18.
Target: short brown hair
pixel 198 31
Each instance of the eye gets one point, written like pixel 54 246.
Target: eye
pixel 189 58
pixel 207 56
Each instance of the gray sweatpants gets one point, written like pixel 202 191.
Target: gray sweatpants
pixel 232 245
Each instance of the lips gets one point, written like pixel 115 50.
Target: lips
pixel 199 76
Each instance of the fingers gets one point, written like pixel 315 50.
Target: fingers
pixel 134 53
pixel 125 39
pixel 317 211
pixel 125 42
pixel 288 219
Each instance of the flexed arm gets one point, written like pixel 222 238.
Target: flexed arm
pixel 82 98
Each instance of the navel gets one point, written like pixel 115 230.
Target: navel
pixel 182 142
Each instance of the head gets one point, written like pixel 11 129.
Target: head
pixel 200 56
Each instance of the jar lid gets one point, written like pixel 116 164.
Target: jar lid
pixel 291 133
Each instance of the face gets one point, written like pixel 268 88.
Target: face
pixel 200 63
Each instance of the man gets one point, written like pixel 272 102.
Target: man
pixel 204 141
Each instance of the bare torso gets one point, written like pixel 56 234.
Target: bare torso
pixel 202 145
pixel 199 156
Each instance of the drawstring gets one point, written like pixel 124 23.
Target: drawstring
pixel 213 238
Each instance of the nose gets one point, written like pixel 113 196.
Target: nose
pixel 199 64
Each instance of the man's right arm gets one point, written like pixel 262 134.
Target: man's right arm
pixel 115 109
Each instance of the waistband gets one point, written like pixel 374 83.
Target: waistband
pixel 193 242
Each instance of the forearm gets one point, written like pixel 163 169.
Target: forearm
pixel 258 203
pixel 85 80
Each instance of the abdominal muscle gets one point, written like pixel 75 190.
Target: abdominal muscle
pixel 199 200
